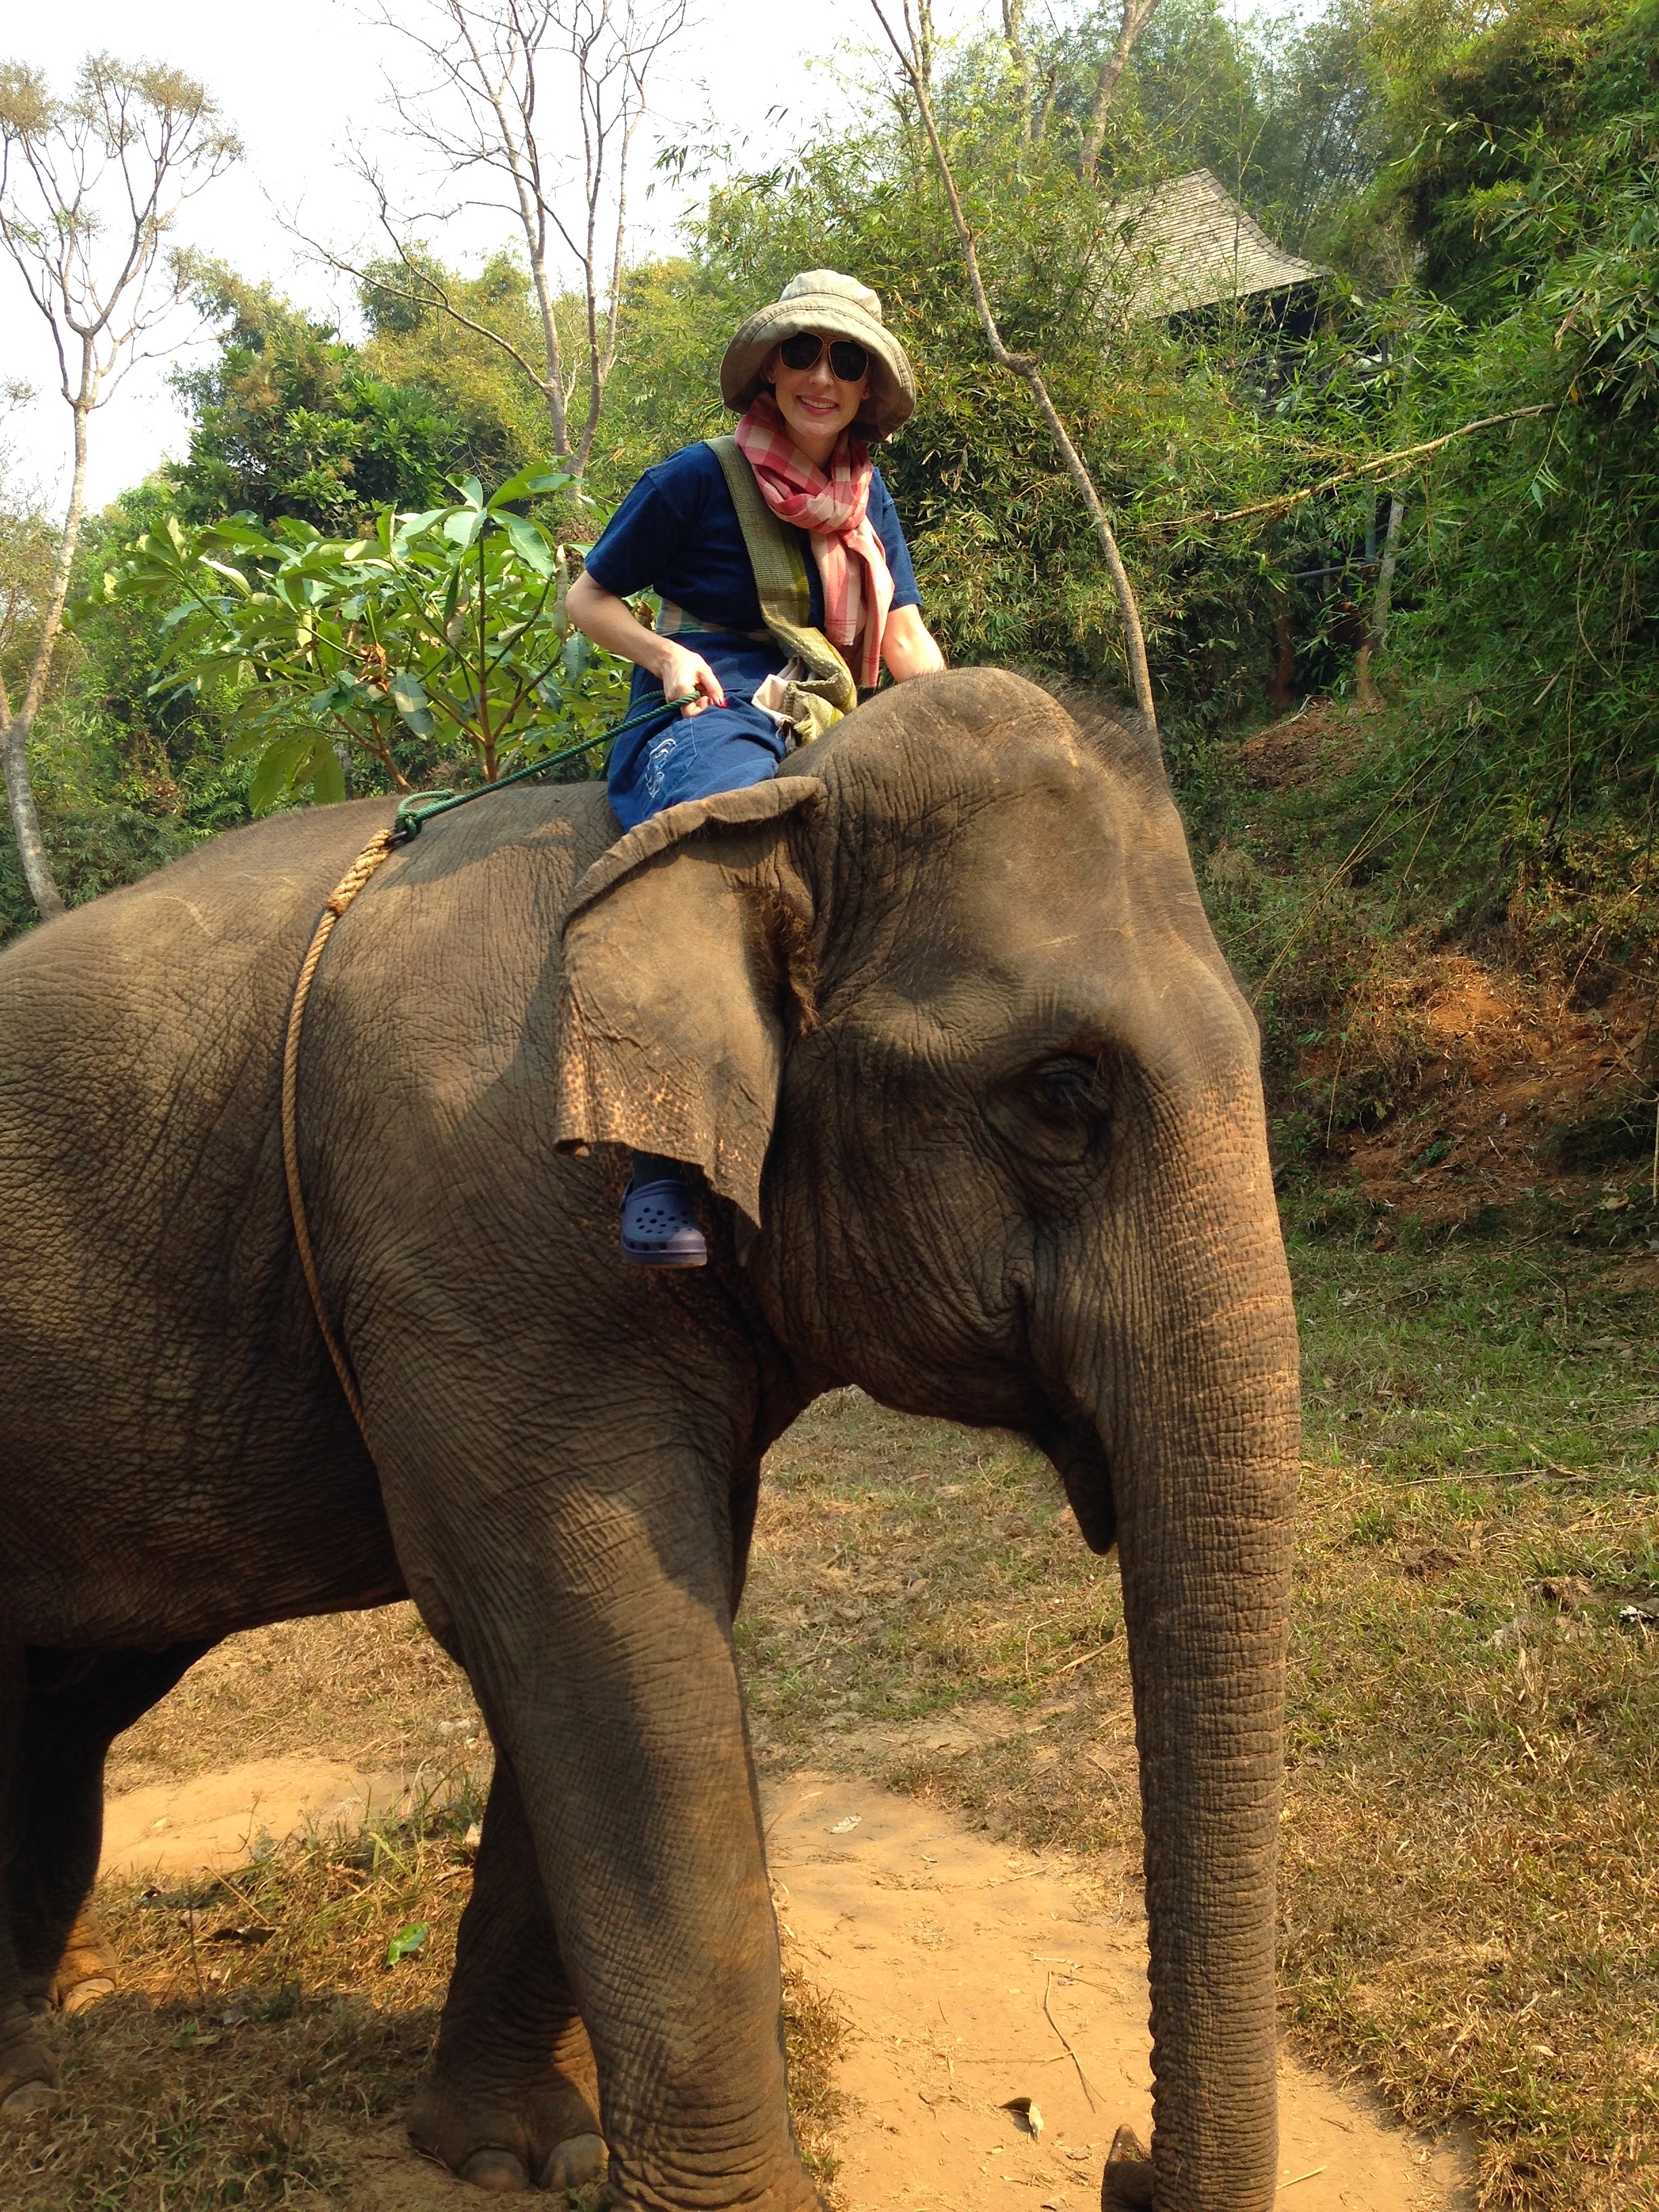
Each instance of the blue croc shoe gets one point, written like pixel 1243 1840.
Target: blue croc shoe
pixel 658 1229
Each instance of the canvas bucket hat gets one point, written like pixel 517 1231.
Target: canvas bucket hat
pixel 840 307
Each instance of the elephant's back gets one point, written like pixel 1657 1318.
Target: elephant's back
pixel 227 925
pixel 141 1035
pixel 227 909
pixel 442 986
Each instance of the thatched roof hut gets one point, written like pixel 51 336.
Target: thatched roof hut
pixel 1191 246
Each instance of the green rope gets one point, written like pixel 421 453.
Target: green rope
pixel 412 817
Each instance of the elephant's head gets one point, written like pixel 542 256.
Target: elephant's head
pixel 945 1020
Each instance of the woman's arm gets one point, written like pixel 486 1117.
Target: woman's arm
pixel 606 619
pixel 907 645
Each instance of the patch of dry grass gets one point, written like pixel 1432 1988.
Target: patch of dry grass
pixel 815 2030
pixel 373 1689
pixel 914 1581
pixel 257 2019
pixel 264 2035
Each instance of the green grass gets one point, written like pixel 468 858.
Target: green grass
pixel 1470 1899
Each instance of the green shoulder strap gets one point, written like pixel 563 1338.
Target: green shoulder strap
pixel 826 692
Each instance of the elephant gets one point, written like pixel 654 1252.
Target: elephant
pixel 974 1110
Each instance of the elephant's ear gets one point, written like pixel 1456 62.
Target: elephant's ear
pixel 683 958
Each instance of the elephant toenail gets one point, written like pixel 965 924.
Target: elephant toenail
pixel 85 1995
pixel 493 2168
pixel 579 2161
pixel 32 2097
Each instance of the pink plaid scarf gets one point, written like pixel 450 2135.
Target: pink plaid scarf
pixel 858 585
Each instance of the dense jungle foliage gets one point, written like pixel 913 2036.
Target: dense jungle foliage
pixel 1478 185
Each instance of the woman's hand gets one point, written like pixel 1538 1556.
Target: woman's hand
pixel 907 648
pixel 681 672
pixel 611 622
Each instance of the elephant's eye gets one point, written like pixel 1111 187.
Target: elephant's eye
pixel 1069 1086
pixel 1054 1114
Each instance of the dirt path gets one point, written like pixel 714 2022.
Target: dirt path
pixel 942 1948
pixel 218 1821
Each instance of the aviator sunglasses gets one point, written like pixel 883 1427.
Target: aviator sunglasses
pixel 848 362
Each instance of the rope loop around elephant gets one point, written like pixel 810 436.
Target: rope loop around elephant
pixel 379 848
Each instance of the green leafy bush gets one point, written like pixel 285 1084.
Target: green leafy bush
pixel 438 636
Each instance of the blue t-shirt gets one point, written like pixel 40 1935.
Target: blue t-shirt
pixel 677 534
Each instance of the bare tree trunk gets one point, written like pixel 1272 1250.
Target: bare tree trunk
pixel 1377 635
pixel 1013 37
pixel 19 792
pixel 553 384
pixel 26 823
pixel 532 217
pixel 1136 13
pixel 913 62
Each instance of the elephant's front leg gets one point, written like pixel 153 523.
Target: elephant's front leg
pixel 593 1611
pixel 511 2098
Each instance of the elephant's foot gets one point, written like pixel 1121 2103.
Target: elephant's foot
pixel 543 2137
pixel 1127 2185
pixel 85 1972
pixel 83 1976
pixel 29 2076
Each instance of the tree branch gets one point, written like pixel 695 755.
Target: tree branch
pixel 489 60
pixel 913 60
pixel 1353 474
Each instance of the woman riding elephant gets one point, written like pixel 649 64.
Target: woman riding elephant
pixel 976 1105
pixel 770 645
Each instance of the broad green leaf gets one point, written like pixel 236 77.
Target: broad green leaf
pixel 407 1941
pixel 529 483
pixel 531 545
pixel 232 575
pixel 414 526
pixel 338 696
pixel 243 535
pixel 577 657
pixel 273 778
pixel 323 772
pixel 409 696
pixel 463 526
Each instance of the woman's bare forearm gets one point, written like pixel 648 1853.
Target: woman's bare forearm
pixel 907 647
pixel 612 623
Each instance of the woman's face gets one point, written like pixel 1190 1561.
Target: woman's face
pixel 814 402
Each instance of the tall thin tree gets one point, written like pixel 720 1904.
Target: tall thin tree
pixel 90 188
pixel 540 101
pixel 1136 14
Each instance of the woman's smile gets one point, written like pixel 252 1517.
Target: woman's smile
pixel 814 403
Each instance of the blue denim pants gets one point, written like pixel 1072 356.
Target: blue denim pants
pixel 676 755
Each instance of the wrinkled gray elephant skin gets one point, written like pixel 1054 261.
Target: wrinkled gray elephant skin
pixel 940 1018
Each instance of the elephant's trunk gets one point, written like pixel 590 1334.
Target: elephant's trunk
pixel 1201 1425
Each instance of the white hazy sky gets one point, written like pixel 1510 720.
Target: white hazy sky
pixel 296 81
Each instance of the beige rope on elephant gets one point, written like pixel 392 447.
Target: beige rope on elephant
pixel 379 847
